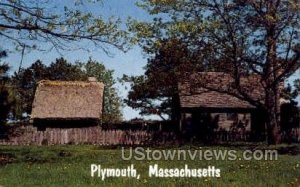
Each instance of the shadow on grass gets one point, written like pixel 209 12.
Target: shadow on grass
pixel 283 149
pixel 36 155
pixel 6 158
pixel 289 150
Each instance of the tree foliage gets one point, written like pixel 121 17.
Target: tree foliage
pixel 292 92
pixel 31 24
pixel 244 36
pixel 26 80
pixel 156 92
pixel 112 102
pixel 5 96
pixel 297 85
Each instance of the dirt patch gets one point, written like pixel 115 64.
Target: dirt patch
pixel 6 158
pixel 64 153
pixel 38 160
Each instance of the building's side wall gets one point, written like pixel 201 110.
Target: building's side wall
pixel 224 121
pixel 234 121
pixel 42 124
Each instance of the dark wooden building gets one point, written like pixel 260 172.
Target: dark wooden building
pixel 209 102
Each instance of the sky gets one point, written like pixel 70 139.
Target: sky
pixel 130 63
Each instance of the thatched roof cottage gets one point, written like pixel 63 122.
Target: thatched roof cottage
pixel 67 103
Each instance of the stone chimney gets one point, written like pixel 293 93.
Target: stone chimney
pixel 92 79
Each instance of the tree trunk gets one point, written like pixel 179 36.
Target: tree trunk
pixel 273 116
pixel 273 131
pixel 272 104
pixel 270 74
pixel 175 108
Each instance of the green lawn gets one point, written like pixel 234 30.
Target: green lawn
pixel 69 165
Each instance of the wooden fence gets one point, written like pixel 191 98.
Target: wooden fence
pixel 90 135
pixel 29 135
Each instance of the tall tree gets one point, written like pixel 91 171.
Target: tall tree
pixel 112 102
pixel 32 23
pixel 156 92
pixel 5 99
pixel 26 80
pixel 250 36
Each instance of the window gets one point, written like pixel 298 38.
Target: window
pixel 232 116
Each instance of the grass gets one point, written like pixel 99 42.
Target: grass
pixel 69 165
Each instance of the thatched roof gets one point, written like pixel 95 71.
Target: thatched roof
pixel 208 90
pixel 68 100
